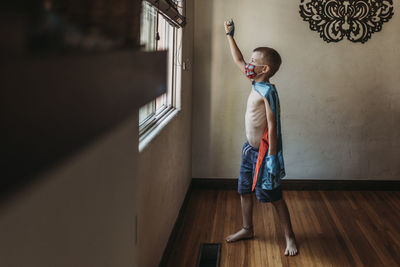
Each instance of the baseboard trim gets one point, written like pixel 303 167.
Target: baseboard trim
pixel 304 184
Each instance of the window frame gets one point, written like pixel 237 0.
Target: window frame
pixel 174 56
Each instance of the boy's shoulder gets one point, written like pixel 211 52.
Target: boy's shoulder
pixel 263 88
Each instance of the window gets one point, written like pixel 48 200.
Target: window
pixel 157 33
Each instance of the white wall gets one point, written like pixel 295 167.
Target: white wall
pixel 340 102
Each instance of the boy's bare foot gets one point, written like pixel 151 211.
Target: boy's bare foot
pixel 244 233
pixel 291 248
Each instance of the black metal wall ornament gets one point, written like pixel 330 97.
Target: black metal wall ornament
pixel 355 19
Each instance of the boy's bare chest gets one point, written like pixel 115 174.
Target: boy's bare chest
pixel 255 101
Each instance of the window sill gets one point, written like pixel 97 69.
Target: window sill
pixel 155 130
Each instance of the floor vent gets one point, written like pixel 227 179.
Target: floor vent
pixel 209 255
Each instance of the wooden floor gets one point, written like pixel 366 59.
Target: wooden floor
pixel 332 228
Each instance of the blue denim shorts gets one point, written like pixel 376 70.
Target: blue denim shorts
pixel 245 182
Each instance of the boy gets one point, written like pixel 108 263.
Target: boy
pixel 262 163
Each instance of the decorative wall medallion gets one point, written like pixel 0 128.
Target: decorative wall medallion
pixel 355 19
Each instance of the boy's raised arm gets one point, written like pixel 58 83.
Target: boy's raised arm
pixel 236 54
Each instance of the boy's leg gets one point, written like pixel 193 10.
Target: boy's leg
pixel 246 195
pixel 247 213
pixel 247 209
pixel 284 219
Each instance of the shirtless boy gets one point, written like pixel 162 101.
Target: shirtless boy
pixel 262 160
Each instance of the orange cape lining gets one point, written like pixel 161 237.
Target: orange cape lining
pixel 261 153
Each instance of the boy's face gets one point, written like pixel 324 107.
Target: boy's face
pixel 257 59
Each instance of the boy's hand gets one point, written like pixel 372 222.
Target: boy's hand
pixel 229 27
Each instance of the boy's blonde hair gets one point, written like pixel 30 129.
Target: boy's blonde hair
pixel 271 58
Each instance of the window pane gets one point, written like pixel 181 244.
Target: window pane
pixel 161 101
pixel 146 111
pixel 148 27
pixel 165 31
